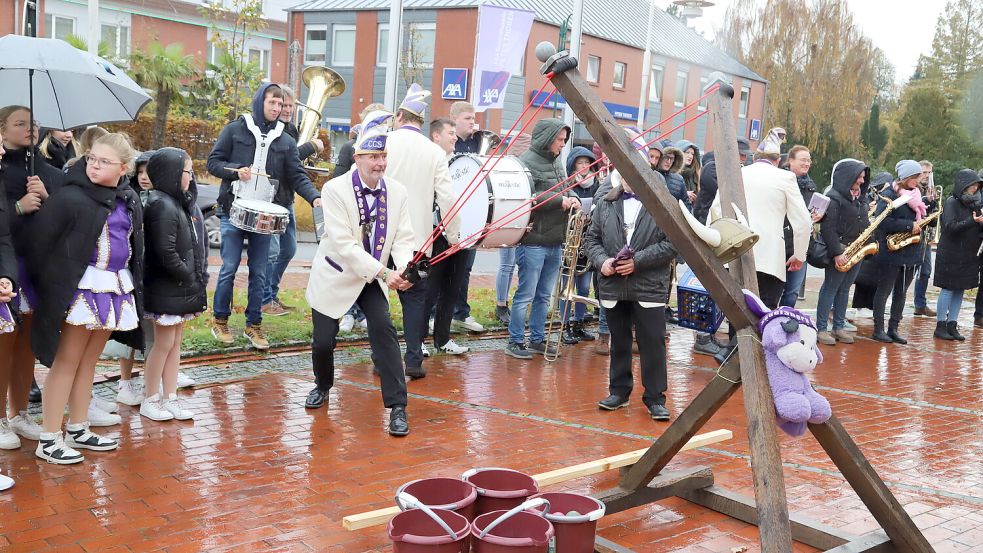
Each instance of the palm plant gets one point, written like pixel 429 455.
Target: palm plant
pixel 162 69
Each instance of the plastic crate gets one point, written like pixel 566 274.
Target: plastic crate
pixel 697 310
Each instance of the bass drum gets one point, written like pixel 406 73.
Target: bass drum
pixel 499 191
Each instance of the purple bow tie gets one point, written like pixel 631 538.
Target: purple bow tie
pixel 372 192
pixel 628 196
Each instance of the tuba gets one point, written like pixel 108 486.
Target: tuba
pixel 488 142
pixel 322 83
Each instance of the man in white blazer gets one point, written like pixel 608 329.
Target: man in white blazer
pixel 772 194
pixel 421 166
pixel 368 221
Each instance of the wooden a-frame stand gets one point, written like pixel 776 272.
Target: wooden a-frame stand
pixel 643 483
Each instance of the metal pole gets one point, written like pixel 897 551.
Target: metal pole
pixel 575 37
pixel 643 99
pixel 392 57
pixel 94 27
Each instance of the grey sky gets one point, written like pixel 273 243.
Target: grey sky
pixel 902 29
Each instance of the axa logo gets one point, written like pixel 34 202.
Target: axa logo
pixel 453 90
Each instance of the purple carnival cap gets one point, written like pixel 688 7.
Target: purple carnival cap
pixel 372 138
pixel 416 100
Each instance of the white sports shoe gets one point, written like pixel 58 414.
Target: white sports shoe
pixel 184 381
pixel 453 349
pixel 468 324
pixel 426 352
pixel 363 324
pixel 8 438
pixel 78 436
pixel 347 324
pixel 52 448
pixel 153 409
pixel 128 394
pixel 25 426
pixel 6 482
pixel 98 417
pixel 173 406
pixel 103 405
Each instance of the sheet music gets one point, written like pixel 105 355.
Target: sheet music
pixel 318 214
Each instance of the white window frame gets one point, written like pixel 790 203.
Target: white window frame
pixel 425 27
pixel 702 106
pixel 50 29
pixel 614 75
pixel 382 54
pixel 121 48
pixel 264 59
pixel 307 51
pixel 745 101
pixel 334 50
pixel 684 77
pixel 655 85
pixel 597 71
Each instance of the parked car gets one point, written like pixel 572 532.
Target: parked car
pixel 208 203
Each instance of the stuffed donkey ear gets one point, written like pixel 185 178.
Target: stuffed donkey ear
pixel 790 326
pixel 757 306
pixel 819 354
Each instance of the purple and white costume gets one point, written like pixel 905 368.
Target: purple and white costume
pixel 6 318
pixel 104 300
pixel 169 320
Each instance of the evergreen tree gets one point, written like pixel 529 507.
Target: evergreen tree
pixel 874 135
pixel 927 130
pixel 957 48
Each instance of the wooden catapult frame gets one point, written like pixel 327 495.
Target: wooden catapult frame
pixel 644 482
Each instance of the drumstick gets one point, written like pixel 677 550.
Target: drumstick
pixel 254 172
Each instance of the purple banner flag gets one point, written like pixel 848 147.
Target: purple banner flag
pixel 502 37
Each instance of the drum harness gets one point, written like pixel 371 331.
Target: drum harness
pixel 263 142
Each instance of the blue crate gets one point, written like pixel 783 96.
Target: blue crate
pixel 697 310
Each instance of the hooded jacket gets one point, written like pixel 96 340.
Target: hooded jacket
pixel 845 217
pixel 64 234
pixel 589 191
pixel 689 173
pixel 653 252
pixel 140 161
pixel 956 262
pixel 236 148
pixel 549 221
pixel 173 282
pixel 708 188
pixel 57 153
pixel 8 261
pixel 674 181
pixel 15 166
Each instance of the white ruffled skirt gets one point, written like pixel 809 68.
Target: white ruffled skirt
pixel 104 301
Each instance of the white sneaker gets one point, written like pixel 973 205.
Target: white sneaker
pixel 25 426
pixel 363 324
pixel 468 324
pixel 184 381
pixel 8 438
pixel 347 324
pixel 454 349
pixel 98 417
pixel 865 313
pixel 849 327
pixel 52 448
pixel 6 482
pixel 103 405
pixel 426 352
pixel 154 410
pixel 78 436
pixel 127 394
pixel 173 406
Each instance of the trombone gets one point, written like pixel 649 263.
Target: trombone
pixel 566 282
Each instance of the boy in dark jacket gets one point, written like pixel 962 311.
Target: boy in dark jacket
pixel 580 163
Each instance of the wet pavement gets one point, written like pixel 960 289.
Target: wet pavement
pixel 257 472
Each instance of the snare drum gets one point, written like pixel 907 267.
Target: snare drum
pixel 499 192
pixel 258 216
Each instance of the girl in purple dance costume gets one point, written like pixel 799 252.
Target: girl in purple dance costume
pixel 86 263
pixel 174 288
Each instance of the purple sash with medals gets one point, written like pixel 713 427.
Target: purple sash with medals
pixel 367 217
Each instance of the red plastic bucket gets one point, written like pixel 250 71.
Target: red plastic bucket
pixel 449 494
pixel 575 533
pixel 416 531
pixel 499 489
pixel 514 531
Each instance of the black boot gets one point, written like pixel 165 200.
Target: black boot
pixel 954 332
pixel 942 331
pixel 671 318
pixel 569 337
pixel 35 395
pixel 879 335
pixel 892 333
pixel 978 321
pixel 502 313
pixel 581 333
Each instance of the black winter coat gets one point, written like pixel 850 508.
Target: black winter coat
pixel 174 262
pixel 901 219
pixel 346 158
pixel 708 189
pixel 845 218
pixel 8 261
pixel 807 187
pixel 63 236
pixel 956 262
pixel 15 166
pixel 653 252
pixel 304 150
pixel 549 221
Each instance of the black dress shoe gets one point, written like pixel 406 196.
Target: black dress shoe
pixel 397 421
pixel 659 412
pixel 895 337
pixel 580 332
pixel 569 337
pixel 35 395
pixel 612 403
pixel 671 318
pixel 881 336
pixel 416 372
pixel 316 398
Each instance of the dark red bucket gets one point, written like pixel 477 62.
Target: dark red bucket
pixel 500 489
pixel 574 518
pixel 416 531
pixel 519 532
pixel 449 494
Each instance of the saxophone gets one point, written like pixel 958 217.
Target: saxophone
pixel 859 248
pixel 900 240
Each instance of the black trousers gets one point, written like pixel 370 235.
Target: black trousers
pixel 382 339
pixel 414 322
pixel 979 297
pixel 893 280
pixel 650 330
pixel 447 278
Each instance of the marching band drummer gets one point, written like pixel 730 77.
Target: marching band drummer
pixel 369 218
pixel 253 140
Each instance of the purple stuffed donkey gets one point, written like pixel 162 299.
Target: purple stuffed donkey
pixel 789 340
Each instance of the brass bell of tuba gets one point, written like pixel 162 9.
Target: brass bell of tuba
pixel 322 83
pixel 488 142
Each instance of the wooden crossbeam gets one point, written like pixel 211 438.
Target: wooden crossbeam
pixel 663 486
pixel 381 516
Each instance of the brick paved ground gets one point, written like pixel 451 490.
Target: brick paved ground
pixel 257 472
